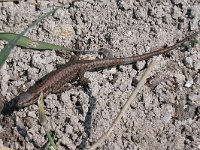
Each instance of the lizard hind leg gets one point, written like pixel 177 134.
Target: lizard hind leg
pixel 83 80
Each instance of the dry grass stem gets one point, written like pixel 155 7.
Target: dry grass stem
pixel 126 106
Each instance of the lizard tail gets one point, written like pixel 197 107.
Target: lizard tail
pixel 146 56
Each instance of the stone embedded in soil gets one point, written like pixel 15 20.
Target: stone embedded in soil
pixel 197 65
pixel 195 98
pixel 189 83
pixel 180 78
pixel 188 62
pixel 140 64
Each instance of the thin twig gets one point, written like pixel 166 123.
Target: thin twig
pixel 126 106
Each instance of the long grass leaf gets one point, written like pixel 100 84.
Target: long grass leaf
pixel 29 43
pixel 36 45
pixel 43 121
pixel 7 49
pixel 51 140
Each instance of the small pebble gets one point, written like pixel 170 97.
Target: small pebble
pixel 197 65
pixel 29 146
pixel 189 62
pixel 194 98
pixel 140 64
pixel 59 14
pixel 123 4
pixel 180 78
pixel 33 73
pixel 32 114
pixel 140 13
pixel 189 83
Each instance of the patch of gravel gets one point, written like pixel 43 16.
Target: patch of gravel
pixel 166 113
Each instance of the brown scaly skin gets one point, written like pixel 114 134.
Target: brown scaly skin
pixel 57 79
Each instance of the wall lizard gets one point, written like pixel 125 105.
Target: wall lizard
pixel 57 79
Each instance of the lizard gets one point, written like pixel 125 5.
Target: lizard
pixel 75 68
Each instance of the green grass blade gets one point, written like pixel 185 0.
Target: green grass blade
pixel 7 49
pixel 23 41
pixel 51 141
pixel 49 145
pixel 29 43
pixel 43 121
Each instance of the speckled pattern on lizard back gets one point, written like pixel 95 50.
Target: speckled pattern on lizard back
pixel 56 80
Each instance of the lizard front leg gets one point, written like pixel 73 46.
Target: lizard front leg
pixel 83 80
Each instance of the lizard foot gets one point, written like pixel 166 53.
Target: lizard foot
pixel 84 81
pixel 105 52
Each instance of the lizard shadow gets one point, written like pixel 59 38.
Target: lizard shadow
pixel 9 115
pixel 9 107
pixel 88 119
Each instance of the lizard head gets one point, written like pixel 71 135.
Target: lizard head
pixel 24 99
pixel 20 101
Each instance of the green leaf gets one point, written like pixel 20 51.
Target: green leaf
pixel 51 141
pixel 7 49
pixel 29 43
pixel 43 120
pixel 23 41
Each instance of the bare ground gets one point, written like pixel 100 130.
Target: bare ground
pixel 166 114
